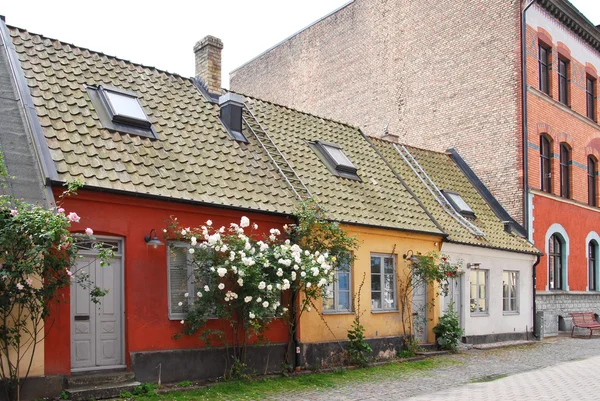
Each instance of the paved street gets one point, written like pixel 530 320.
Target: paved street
pixel 556 369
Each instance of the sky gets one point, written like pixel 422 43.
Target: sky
pixel 164 36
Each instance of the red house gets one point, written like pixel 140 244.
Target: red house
pixel 148 145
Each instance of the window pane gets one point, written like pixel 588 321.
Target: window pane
pixel 375 282
pixel 389 265
pixel 338 156
pixel 344 301
pixel 375 264
pixel 389 282
pixel 124 105
pixel 178 278
pixel 343 281
pixel 389 301
pixel 513 305
pixel 460 202
pixel 505 304
pixel 376 300
pixel 328 302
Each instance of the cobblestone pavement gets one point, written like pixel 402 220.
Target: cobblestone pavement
pixel 460 377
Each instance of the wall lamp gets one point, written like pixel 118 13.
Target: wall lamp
pixel 152 240
pixel 409 255
pixel 474 266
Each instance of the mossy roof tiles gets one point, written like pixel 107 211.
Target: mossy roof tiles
pixel 193 158
pixel 448 176
pixel 378 199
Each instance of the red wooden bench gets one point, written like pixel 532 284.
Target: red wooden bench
pixel 585 320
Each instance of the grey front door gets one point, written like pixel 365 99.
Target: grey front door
pixel 97 329
pixel 419 311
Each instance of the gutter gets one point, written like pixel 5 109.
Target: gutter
pixel 524 118
pixel 533 275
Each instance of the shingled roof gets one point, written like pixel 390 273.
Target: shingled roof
pixel 193 159
pixel 377 199
pixel 446 175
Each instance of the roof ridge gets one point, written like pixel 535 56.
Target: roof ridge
pixel 100 53
pixel 297 110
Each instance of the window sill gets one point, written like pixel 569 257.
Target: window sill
pixel 376 312
pixel 338 313
pixel 511 313
pixel 480 314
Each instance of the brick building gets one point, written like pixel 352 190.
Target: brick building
pixel 443 74
pixel 432 72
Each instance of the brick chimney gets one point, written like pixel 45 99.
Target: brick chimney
pixel 208 63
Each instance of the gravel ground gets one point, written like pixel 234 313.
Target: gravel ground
pixel 473 366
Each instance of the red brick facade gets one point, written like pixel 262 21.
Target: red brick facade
pixel 569 217
pixel 433 72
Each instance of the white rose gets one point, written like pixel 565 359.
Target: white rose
pixel 221 286
pixel 259 299
pixel 308 284
pixel 180 304
pixel 269 287
pixel 191 251
pixel 265 304
pixel 248 299
pixel 206 288
pixel 221 271
pixel 251 315
pixel 240 282
pixel 244 222
pixel 186 295
pixel 199 294
pixel 182 322
pixel 209 223
pixel 261 285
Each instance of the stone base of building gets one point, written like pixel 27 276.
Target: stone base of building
pixel 553 310
pixel 497 337
pixel 320 355
pixel 202 363
pixel 38 387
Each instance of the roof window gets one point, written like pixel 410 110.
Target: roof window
pixel 458 203
pixel 121 110
pixel 336 160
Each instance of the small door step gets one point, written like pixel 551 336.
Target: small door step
pixel 100 385
pixel 101 391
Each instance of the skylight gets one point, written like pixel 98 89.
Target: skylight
pixel 335 159
pixel 339 158
pixel 125 107
pixel 120 110
pixel 458 203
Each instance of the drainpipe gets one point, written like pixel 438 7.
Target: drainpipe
pixel 533 275
pixel 524 118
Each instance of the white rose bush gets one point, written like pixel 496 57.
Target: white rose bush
pixel 247 278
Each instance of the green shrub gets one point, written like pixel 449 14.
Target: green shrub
pixel 448 331
pixel 358 349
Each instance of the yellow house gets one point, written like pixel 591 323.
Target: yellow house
pixel 336 166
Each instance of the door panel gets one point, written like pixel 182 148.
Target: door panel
pixel 96 329
pixel 419 310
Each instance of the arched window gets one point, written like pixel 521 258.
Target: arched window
pixel 592 172
pixel 565 171
pixel 555 262
pixel 593 265
pixel 545 168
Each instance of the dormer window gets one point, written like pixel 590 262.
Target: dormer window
pixel 121 110
pixel 458 203
pixel 336 160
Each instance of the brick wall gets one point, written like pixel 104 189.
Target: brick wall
pixel 561 123
pixel 441 73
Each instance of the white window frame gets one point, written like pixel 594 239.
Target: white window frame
pixel 190 279
pixel 336 291
pixel 487 292
pixel 509 298
pixel 382 282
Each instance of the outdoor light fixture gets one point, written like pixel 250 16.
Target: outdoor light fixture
pixel 474 266
pixel 152 240
pixel 410 256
